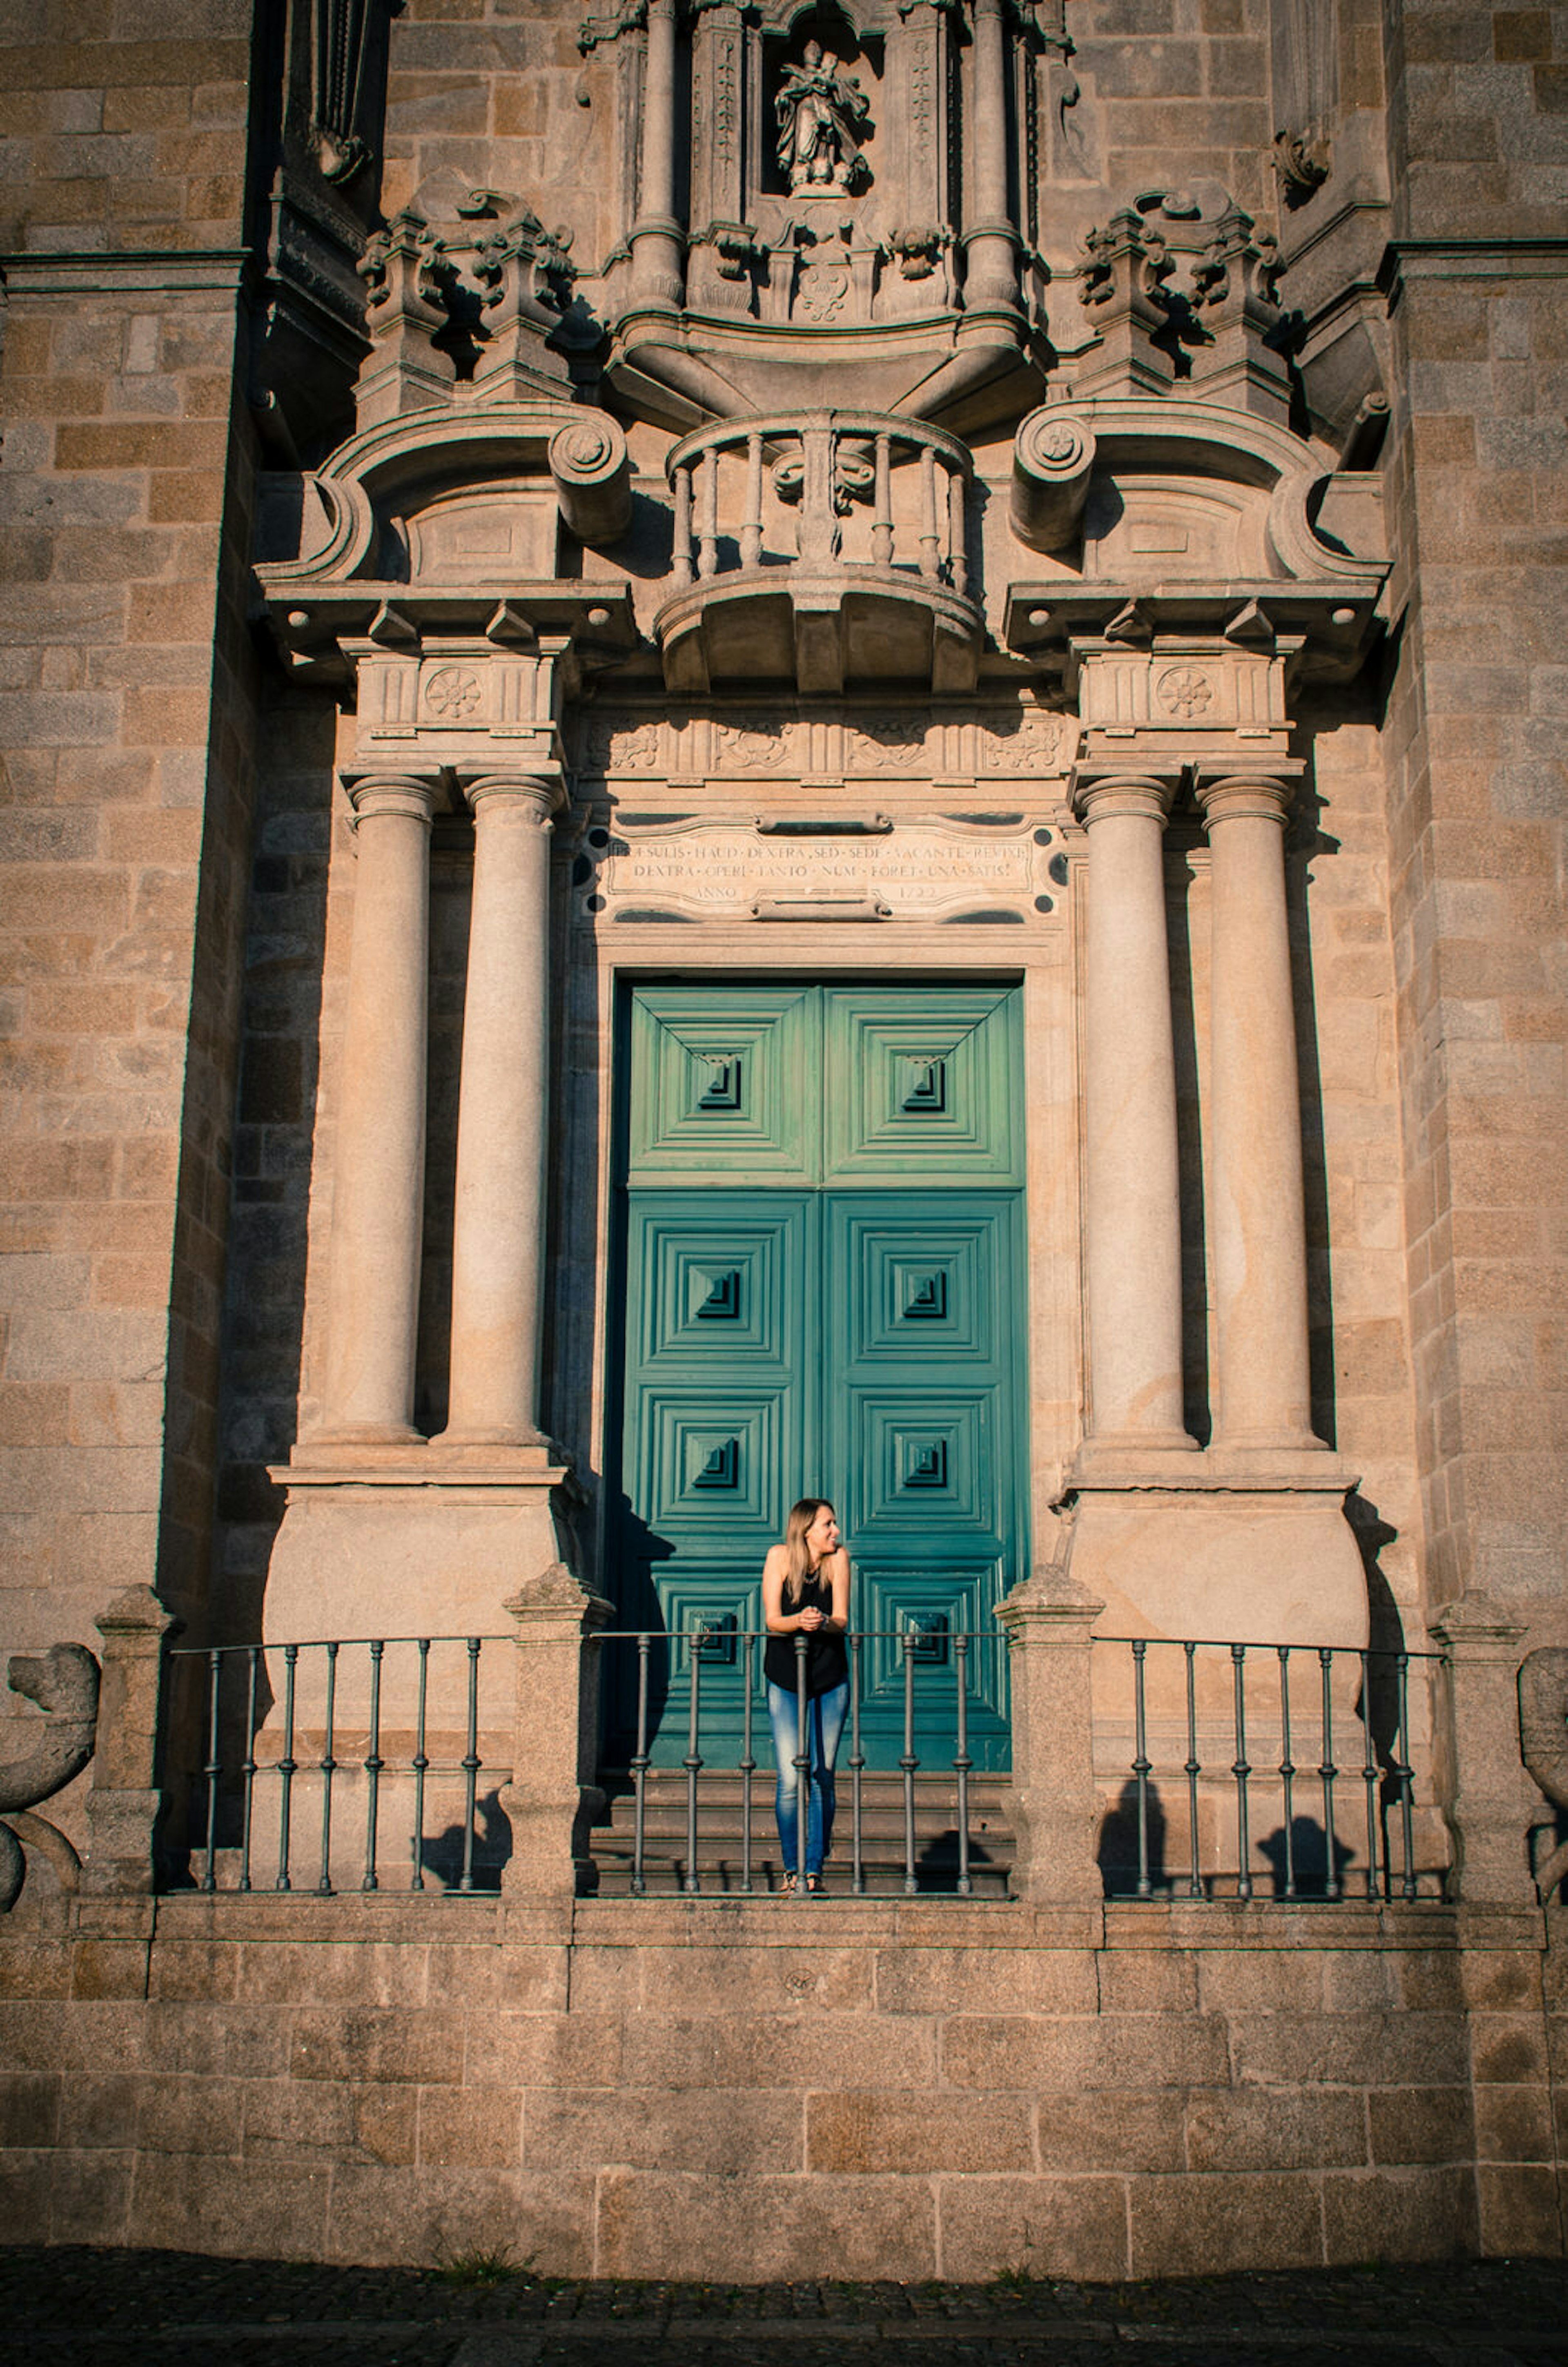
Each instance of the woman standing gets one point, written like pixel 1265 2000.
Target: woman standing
pixel 806 1592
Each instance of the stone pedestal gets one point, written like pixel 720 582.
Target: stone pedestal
pixel 1048 1621
pixel 552 1798
pixel 431 1546
pixel 1488 1800
pixel 126 1799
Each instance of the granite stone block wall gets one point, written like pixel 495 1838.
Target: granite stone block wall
pixel 697 2091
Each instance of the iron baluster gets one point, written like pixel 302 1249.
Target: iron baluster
pixel 857 1763
pixel 1141 1763
pixel 421 1763
pixel 373 1765
pixel 329 1768
pixel 1194 1768
pixel 802 1761
pixel 693 1764
pixel 908 1762
pixel 962 1763
pixel 639 1768
pixel 286 1766
pixel 1327 1771
pixel 470 1767
pixel 1287 1769
pixel 248 1770
pixel 212 1770
pixel 1241 1771
pixel 1370 1776
pixel 748 1762
pixel 1407 1834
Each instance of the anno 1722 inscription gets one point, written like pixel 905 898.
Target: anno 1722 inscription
pixel 937 869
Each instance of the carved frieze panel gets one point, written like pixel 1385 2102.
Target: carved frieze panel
pixel 447 706
pixel 1205 691
pixel 893 744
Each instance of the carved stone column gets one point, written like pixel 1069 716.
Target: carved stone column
pixel 656 238
pixel 379 1176
pixel 1133 1186
pixel 991 248
pixel 1258 1245
pixel 499 1233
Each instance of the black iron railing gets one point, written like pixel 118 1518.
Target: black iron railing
pixel 1225 1770
pixel 940 1683
pixel 298 1738
pixel 1227 1738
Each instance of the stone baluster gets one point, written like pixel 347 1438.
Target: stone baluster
pixel 379 1188
pixel 1257 1230
pixel 499 1224
pixel 1134 1200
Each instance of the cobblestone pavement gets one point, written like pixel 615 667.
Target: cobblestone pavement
pixel 84 2308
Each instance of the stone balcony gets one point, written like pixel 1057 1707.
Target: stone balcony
pixel 817 548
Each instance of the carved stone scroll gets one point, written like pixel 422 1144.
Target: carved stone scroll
pixel 1543 1740
pixel 64 1682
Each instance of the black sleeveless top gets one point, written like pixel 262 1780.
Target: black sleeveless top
pixel 827 1662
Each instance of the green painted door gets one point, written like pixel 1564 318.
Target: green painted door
pixel 825 1294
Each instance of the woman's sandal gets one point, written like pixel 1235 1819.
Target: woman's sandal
pixel 788 1888
pixel 813 1886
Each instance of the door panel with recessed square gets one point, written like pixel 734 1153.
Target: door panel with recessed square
pixel 824 1261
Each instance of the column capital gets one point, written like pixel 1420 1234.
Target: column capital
pixel 544 792
pixel 374 794
pixel 1101 790
pixel 1248 796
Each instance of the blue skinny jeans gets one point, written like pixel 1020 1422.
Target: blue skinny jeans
pixel 825 1716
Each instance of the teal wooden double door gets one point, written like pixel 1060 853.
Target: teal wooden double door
pixel 825 1294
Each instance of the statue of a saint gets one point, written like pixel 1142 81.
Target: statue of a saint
pixel 821 109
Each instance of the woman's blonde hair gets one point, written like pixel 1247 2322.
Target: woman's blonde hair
pixel 797 1560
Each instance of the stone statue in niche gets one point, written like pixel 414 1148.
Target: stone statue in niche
pixel 820 111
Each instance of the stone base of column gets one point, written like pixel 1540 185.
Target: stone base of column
pixel 430 1543
pixel 1115 1454
pixel 1237 1556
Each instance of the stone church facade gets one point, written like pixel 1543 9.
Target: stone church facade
pixel 753 749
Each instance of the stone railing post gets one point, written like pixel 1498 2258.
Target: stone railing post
pixel 126 1799
pixel 1487 1798
pixel 1048 1621
pixel 553 1797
